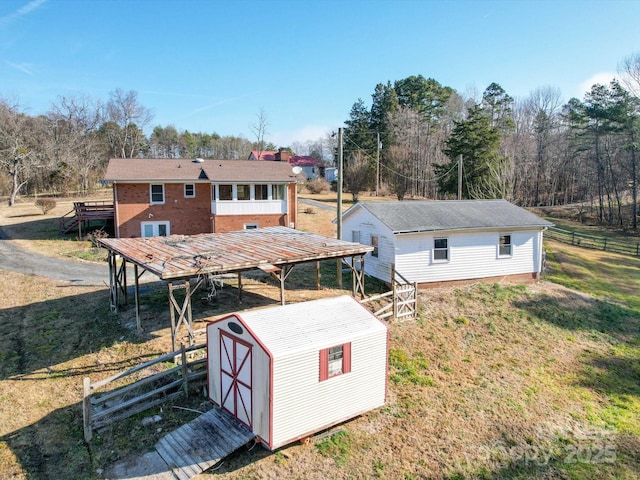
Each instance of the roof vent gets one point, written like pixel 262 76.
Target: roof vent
pixel 198 160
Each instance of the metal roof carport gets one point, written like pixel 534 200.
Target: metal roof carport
pixel 178 258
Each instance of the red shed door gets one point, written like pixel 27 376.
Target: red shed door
pixel 235 377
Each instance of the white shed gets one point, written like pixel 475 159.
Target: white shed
pixel 447 240
pixel 288 372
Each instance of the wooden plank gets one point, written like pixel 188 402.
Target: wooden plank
pixel 203 442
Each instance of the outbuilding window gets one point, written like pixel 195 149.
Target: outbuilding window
pixel 374 244
pixel 505 248
pixel 440 249
pixel 335 361
pixel 157 193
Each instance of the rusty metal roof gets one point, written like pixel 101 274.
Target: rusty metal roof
pixel 173 169
pixel 183 256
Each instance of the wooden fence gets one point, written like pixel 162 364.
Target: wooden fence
pixel 142 387
pixel 400 303
pixel 598 243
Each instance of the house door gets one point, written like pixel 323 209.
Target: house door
pixel 235 377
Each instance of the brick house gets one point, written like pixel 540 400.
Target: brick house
pixel 159 197
pixel 310 167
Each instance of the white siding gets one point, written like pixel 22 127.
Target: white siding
pixel 303 404
pixel 471 255
pixel 290 338
pixel 248 207
pixel 362 221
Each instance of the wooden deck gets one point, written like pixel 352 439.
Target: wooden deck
pixel 84 213
pixel 203 442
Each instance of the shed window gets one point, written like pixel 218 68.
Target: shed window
pixel 225 192
pixel 335 361
pixel 189 190
pixel 355 236
pixel 441 249
pixel 374 244
pixel 504 246
pixel 157 193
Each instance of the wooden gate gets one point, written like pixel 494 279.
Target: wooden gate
pixel 400 303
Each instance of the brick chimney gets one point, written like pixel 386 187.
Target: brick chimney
pixel 282 155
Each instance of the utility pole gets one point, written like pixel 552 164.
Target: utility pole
pixel 460 177
pixel 377 162
pixel 339 206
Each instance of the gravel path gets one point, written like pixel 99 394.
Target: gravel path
pixel 15 259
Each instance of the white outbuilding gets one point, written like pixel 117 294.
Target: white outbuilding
pixel 290 371
pixel 430 242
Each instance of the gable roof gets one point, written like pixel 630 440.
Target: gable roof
pixel 295 160
pixel 145 170
pixel 446 215
pixel 314 324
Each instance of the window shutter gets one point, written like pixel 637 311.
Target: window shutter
pixel 346 358
pixel 324 364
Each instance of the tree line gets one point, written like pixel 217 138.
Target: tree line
pixel 418 138
pixel 534 151
pixel 66 150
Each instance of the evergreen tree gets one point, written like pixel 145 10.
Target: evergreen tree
pixel 484 167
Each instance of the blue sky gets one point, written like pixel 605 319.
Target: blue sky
pixel 212 66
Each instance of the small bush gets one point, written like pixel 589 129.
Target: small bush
pixel 45 204
pixel 96 235
pixel 318 185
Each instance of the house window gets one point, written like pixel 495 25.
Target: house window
pixel 335 361
pixel 355 236
pixel 277 192
pixel 250 226
pixel 262 192
pixel 374 244
pixel 155 229
pixel 504 246
pixel 225 192
pixel 189 190
pixel 441 249
pixel 157 193
pixel 244 192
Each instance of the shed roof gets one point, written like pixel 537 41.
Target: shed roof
pixel 181 169
pixel 319 323
pixel 442 215
pixel 186 256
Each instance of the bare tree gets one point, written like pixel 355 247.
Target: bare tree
pixel 74 147
pixel 18 155
pixel 259 129
pixel 357 174
pixel 126 119
pixel 629 70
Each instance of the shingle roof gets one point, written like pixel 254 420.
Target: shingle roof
pixel 163 169
pixel 440 215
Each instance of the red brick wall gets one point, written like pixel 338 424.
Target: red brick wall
pixel 230 223
pixel 187 216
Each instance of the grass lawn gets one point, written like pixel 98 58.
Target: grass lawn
pixel 493 380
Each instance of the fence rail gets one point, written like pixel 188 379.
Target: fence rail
pixel 399 303
pixel 598 243
pixel 154 388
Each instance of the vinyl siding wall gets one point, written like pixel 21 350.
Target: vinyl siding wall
pixel 471 255
pixel 302 404
pixel 361 221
